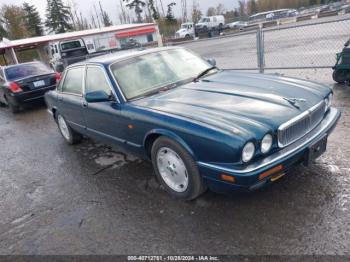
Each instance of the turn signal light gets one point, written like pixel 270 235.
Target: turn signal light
pixel 58 76
pixel 270 172
pixel 15 88
pixel 227 178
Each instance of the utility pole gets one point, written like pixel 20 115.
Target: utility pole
pixel 98 19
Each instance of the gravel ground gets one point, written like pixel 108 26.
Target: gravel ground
pixel 92 199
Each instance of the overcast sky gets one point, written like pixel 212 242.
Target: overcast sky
pixel 86 6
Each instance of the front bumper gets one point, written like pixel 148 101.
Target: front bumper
pixel 29 96
pixel 248 177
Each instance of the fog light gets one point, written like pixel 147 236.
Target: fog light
pixel 270 172
pixel 227 178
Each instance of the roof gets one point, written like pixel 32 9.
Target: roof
pixel 272 11
pixel 122 55
pixel 70 35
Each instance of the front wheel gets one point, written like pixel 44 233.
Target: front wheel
pixel 71 136
pixel 176 170
pixel 340 75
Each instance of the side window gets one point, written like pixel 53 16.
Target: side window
pixel 73 81
pixel 96 80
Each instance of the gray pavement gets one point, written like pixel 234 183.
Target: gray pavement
pixel 91 199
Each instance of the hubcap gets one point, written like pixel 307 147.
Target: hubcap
pixel 172 169
pixel 63 127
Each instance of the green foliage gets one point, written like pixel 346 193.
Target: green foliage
pixel 13 22
pixel 155 13
pixel 170 16
pixel 168 28
pixel 138 6
pixel 105 17
pixel 32 20
pixel 58 17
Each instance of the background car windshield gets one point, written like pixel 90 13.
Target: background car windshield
pixel 70 45
pixel 144 74
pixel 25 70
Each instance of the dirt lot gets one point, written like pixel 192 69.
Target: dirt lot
pixel 90 199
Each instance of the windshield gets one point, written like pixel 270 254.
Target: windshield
pixel 148 73
pixel 203 20
pixel 25 70
pixel 70 45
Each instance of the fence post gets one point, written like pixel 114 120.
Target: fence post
pixel 260 49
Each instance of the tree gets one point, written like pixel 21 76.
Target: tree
pixel 196 12
pixel 211 11
pixel 169 15
pixel 138 6
pixel 252 7
pixel 3 32
pixel 58 18
pixel 154 11
pixel 32 20
pixel 220 9
pixel 105 17
pixel 13 19
pixel 242 8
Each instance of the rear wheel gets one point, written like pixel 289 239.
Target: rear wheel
pixel 13 108
pixel 176 170
pixel 72 137
pixel 340 75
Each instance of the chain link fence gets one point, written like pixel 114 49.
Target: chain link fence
pixel 308 44
pixel 305 46
pixel 234 51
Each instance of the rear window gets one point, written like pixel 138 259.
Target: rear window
pixel 70 45
pixel 25 70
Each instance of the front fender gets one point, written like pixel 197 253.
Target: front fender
pixel 172 135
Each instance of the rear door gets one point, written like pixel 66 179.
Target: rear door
pixel 70 98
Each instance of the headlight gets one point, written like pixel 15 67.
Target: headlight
pixel 328 101
pixel 248 152
pixel 266 144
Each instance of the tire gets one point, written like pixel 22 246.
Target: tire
pixel 13 108
pixel 176 170
pixel 341 75
pixel 70 136
pixel 187 36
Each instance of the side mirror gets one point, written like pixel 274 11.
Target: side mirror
pixel 211 61
pixel 97 96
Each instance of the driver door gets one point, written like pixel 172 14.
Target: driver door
pixel 103 119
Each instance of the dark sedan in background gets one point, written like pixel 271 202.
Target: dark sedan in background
pixel 199 125
pixel 24 83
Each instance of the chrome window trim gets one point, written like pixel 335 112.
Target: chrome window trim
pixel 295 119
pixel 64 78
pixel 322 128
pixel 106 77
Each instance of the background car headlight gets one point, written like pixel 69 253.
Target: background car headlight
pixel 328 101
pixel 266 144
pixel 248 152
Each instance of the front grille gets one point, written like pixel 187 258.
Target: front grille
pixel 299 126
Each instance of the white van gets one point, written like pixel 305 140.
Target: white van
pixel 210 22
pixel 186 31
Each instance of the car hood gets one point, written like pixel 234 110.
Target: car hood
pixel 181 31
pixel 231 100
